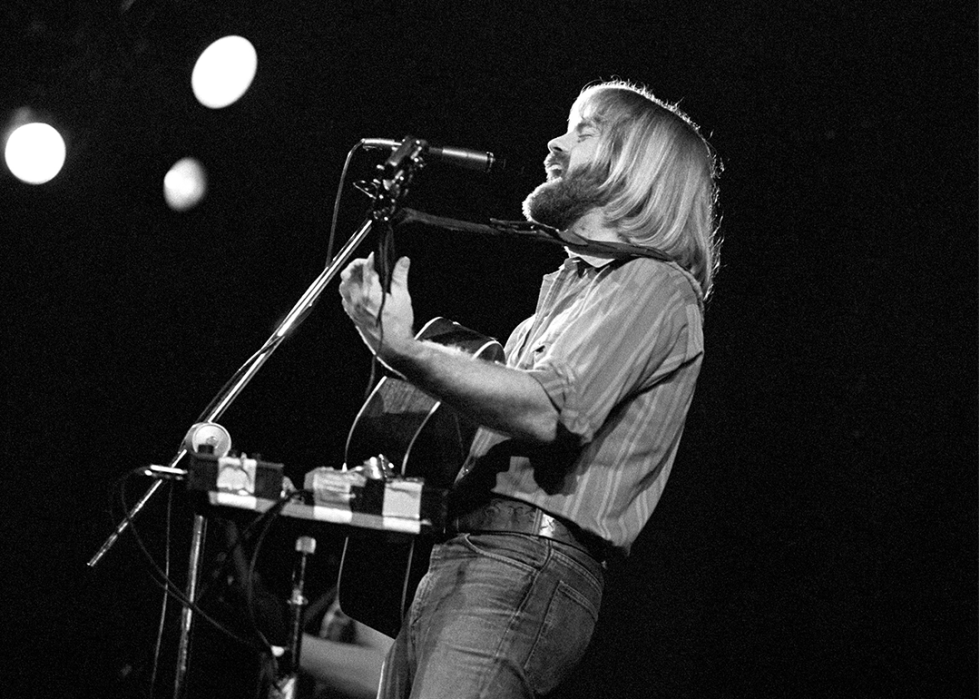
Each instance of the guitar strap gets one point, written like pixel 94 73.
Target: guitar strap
pixel 529 231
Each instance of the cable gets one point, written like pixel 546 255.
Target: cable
pixel 336 201
pixel 166 583
pixel 271 516
pixel 385 249
pixel 163 605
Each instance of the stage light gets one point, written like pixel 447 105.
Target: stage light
pixel 224 71
pixel 185 184
pixel 35 152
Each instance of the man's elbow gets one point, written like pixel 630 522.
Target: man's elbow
pixel 541 428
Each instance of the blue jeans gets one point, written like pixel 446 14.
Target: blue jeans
pixel 497 615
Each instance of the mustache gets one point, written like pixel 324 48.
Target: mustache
pixel 553 160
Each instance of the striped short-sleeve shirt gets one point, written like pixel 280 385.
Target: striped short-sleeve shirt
pixel 617 346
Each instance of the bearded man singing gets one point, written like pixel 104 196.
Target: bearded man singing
pixel 580 427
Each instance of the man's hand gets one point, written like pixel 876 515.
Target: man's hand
pixel 361 295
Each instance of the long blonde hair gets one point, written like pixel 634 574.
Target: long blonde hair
pixel 657 175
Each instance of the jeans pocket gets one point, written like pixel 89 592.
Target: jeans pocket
pixel 565 635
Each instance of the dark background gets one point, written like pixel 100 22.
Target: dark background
pixel 818 535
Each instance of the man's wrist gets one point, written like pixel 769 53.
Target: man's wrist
pixel 398 352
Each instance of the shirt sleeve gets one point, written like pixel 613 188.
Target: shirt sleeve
pixel 629 332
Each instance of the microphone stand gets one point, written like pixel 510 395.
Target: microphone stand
pixel 387 191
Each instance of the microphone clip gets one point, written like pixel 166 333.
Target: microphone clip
pixel 390 187
pixel 403 161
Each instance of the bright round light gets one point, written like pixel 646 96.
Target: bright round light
pixel 224 71
pixel 35 153
pixel 185 184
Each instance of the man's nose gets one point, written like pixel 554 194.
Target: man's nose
pixel 559 144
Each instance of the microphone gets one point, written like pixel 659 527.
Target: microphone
pixel 481 161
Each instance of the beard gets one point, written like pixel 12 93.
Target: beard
pixel 562 201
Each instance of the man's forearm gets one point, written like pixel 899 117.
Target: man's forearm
pixel 495 396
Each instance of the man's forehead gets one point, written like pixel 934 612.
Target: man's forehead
pixel 577 120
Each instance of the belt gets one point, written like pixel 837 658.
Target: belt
pixel 516 517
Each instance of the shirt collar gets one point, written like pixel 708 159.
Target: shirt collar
pixel 592 260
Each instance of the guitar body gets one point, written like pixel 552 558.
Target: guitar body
pixel 420 437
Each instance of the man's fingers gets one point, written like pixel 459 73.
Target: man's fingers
pixel 356 274
pixel 399 276
pixel 349 271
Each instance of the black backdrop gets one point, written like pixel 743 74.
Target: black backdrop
pixel 817 536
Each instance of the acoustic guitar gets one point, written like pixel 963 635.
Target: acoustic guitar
pixel 420 437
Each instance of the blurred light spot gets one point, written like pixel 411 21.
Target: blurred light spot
pixel 35 153
pixel 185 184
pixel 224 71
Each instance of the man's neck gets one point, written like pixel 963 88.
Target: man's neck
pixel 593 226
